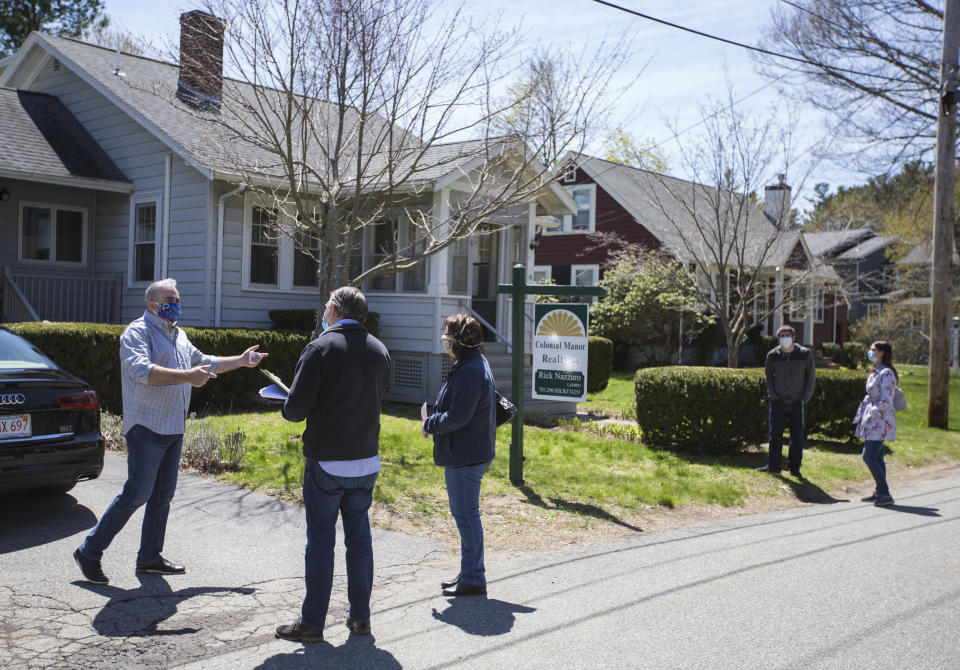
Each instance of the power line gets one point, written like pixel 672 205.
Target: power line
pixel 749 47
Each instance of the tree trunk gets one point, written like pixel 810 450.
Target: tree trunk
pixel 733 350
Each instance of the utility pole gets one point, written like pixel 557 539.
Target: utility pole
pixel 943 218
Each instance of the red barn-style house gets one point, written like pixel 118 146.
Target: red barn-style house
pixel 651 210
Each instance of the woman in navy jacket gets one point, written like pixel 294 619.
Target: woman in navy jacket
pixel 464 433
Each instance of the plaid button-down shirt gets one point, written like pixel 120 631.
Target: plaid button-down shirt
pixel 150 341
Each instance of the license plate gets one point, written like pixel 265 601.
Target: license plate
pixel 15 426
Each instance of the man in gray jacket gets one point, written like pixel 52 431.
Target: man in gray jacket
pixel 790 377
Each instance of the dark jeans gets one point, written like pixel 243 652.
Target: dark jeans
pixel 783 414
pixel 153 461
pixel 463 492
pixel 873 457
pixel 325 496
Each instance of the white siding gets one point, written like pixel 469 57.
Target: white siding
pixel 142 158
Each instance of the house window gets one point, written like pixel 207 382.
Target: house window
pixel 383 239
pixel 584 275
pixel 798 308
pixel 569 173
pixel 518 243
pixel 761 301
pixel 145 241
pixel 584 221
pixel 873 309
pixel 306 256
pixel 52 233
pixel 818 304
pixel 459 265
pixel 541 274
pixel 264 246
pixel 415 279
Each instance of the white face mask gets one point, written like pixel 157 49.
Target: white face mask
pixel 447 343
pixel 786 342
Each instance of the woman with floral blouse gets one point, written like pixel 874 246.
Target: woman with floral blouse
pixel 876 419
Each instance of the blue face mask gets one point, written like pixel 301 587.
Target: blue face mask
pixel 872 355
pixel 169 311
pixel 323 322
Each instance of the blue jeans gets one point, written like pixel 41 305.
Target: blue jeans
pixel 463 492
pixel 781 414
pixel 153 461
pixel 873 457
pixel 325 496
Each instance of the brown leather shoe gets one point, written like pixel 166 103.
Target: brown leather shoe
pixel 358 627
pixel 297 632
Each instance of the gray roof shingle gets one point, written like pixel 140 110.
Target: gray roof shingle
pixel 670 207
pixel 39 136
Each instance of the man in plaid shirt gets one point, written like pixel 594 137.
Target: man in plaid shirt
pixel 159 367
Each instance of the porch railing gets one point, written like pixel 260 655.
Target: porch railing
pixel 496 333
pixel 45 298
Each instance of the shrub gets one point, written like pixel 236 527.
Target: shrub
pixel 720 410
pixel 305 320
pixel 621 355
pixel 833 351
pixel 91 352
pixel 599 363
pixel 855 354
pixel 205 450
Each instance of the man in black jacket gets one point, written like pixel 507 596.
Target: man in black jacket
pixel 338 388
pixel 790 375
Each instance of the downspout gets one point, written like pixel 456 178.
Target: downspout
pixel 220 225
pixel 167 188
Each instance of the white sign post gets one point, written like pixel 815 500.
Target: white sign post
pixel 560 352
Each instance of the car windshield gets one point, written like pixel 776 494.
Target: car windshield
pixel 18 354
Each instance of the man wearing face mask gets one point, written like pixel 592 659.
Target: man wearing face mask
pixel 158 367
pixel 790 373
pixel 338 388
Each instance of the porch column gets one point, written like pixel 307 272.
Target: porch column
pixel 808 321
pixel 778 301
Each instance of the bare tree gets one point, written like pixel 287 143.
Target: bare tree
pixel 343 114
pixel 745 263
pixel 873 65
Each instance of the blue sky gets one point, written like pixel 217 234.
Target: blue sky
pixel 680 70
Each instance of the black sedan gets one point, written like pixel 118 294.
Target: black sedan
pixel 49 422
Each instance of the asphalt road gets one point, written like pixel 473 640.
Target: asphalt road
pixel 838 585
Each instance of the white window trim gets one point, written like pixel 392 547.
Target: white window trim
pixel 792 314
pixel 139 199
pixel 567 226
pixel 285 249
pixel 53 241
pixel 818 302
pixel 876 305
pixel 547 269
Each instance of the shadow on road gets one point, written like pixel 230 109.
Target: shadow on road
pixel 920 511
pixel 479 615
pixel 137 612
pixel 584 509
pixel 29 519
pixel 808 492
pixel 358 652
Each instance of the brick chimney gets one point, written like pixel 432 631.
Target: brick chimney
pixel 201 60
pixel 776 202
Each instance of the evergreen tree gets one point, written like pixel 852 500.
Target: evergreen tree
pixel 71 18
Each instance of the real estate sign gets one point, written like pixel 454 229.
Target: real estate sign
pixel 560 352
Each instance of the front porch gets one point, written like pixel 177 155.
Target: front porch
pixel 29 297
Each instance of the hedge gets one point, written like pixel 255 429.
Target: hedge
pixel 305 320
pixel 720 410
pixel 92 352
pixel 599 363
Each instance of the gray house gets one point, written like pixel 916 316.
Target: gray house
pixel 106 185
pixel 860 257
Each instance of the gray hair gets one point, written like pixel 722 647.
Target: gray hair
pixel 154 289
pixel 349 303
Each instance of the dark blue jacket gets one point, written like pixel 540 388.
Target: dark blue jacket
pixel 463 424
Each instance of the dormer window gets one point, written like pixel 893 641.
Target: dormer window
pixel 584 221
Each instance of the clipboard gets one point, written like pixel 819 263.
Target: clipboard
pixel 275 379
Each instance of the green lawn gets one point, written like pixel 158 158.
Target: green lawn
pixel 617 400
pixel 591 475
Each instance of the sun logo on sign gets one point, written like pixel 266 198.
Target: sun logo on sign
pixel 561 322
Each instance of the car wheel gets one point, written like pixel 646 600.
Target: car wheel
pixel 56 489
